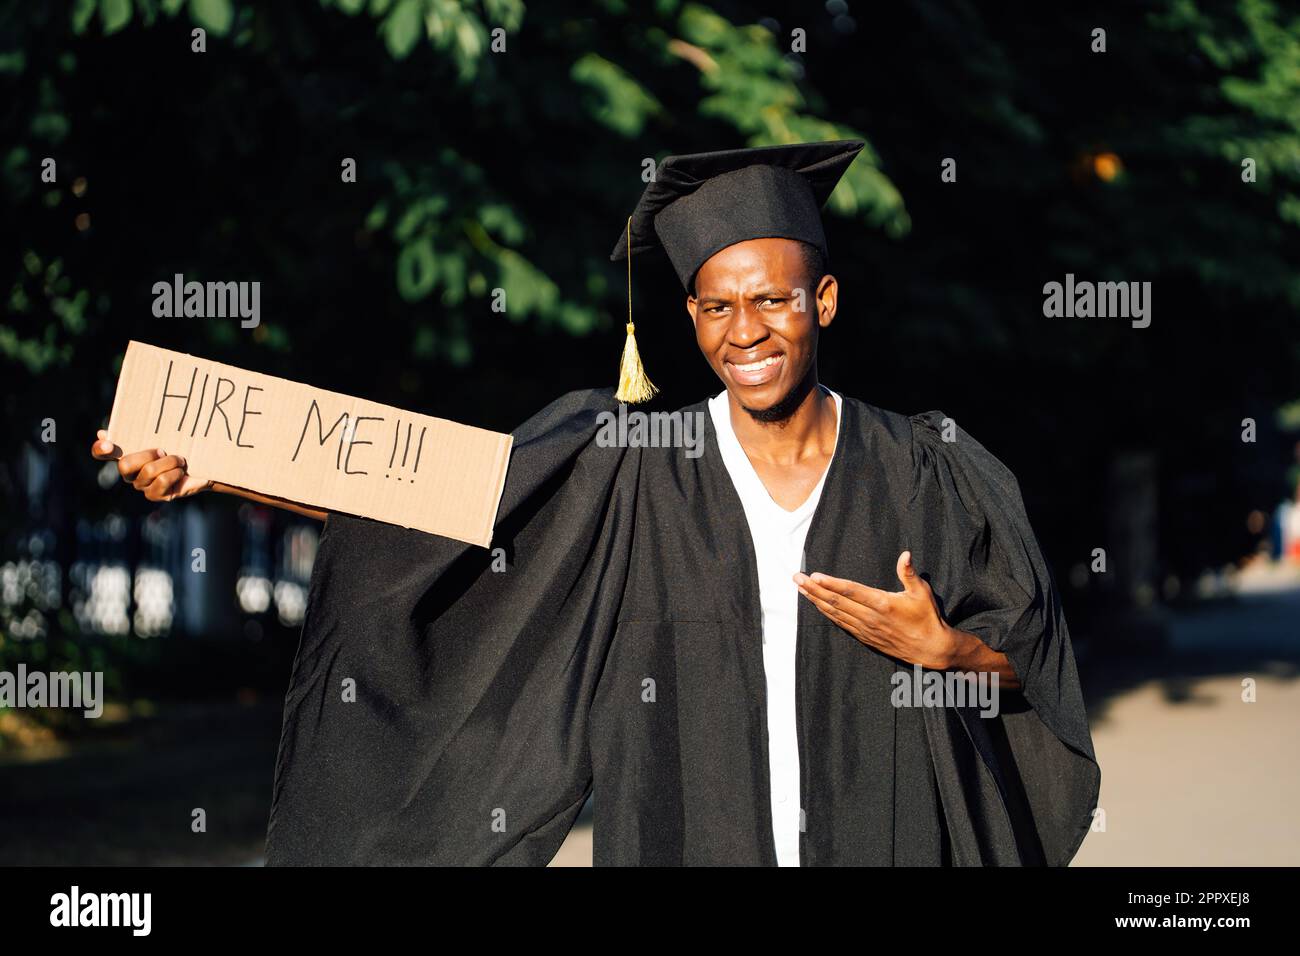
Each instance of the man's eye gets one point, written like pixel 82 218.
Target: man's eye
pixel 772 300
pixel 716 309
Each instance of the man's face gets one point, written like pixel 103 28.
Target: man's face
pixel 757 314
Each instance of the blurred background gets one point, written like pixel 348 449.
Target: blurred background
pixel 1171 156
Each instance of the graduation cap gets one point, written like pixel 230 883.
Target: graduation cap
pixel 700 204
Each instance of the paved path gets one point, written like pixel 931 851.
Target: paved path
pixel 1190 774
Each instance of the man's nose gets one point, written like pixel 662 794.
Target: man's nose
pixel 747 327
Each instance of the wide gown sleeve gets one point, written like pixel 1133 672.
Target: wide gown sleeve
pixel 1019 788
pixel 437 712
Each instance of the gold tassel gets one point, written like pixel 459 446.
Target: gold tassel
pixel 633 384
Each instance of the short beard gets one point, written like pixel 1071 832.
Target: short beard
pixel 785 407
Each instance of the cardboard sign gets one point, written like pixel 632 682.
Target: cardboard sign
pixel 311 446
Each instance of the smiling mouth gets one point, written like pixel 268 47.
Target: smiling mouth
pixel 756 373
pixel 761 363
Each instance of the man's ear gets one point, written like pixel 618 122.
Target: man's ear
pixel 828 293
pixel 691 307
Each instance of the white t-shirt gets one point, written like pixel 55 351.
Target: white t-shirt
pixel 778 547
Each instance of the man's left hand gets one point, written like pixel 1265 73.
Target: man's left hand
pixel 903 624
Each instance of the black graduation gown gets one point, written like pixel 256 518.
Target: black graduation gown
pixel 620 650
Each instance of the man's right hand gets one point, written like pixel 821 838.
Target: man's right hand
pixel 160 476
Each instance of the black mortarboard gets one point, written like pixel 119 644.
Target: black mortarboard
pixel 698 205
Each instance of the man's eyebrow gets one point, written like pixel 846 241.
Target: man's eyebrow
pixel 773 294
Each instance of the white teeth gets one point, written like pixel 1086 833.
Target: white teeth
pixel 762 363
